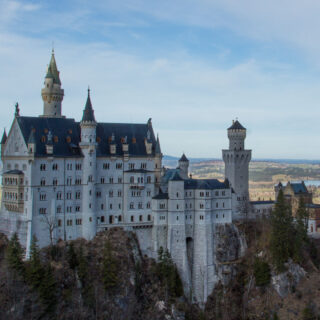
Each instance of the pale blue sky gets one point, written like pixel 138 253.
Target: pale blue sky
pixel 192 66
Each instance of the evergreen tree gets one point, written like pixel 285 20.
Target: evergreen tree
pixel 47 289
pixel 14 255
pixel 109 268
pixel 35 270
pixel 301 230
pixel 72 257
pixel 281 233
pixel 261 271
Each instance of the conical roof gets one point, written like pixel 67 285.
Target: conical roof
pixel 183 158
pixel 52 71
pixel 4 137
pixel 88 113
pixel 236 125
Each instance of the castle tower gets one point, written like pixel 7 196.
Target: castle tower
pixel 88 146
pixel 52 94
pixel 236 160
pixel 184 167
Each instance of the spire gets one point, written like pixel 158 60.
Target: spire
pixel 88 113
pixel 158 148
pixel 184 158
pixel 236 125
pixel 32 136
pixel 17 110
pixel 4 137
pixel 52 71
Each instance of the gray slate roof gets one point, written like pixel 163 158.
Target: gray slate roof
pixel 299 187
pixel 205 184
pixel 184 158
pixel 15 171
pixel 4 137
pixel 262 202
pixel 63 128
pixel 88 113
pixel 236 126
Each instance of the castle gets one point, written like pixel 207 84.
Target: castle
pixel 64 179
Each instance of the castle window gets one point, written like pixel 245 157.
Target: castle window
pixel 90 178
pixel 119 180
pixel 78 166
pixel 43 196
pixel 102 180
pixel 110 180
pixel 217 204
pixel 55 167
pixel 119 193
pixel 190 205
pixel 43 182
pixel 59 223
pixel 102 207
pixel 69 195
pixel 43 139
pixel 162 206
pixel 43 210
pixel 55 181
pixel 90 219
pixel 131 179
pixel 120 218
pixel 207 194
pixel 149 217
pixel 201 194
pixel 140 218
pixel 111 193
pixel 89 205
pixel 217 216
pixel 98 194
pixel 140 205
pixel 148 193
pixel 131 205
pixel 110 206
pixel 131 166
pixel 143 165
pixel 177 206
pixel 177 217
pixel 119 166
pixel 132 218
pixel 223 204
pixel 77 208
pixel 223 193
pixel 24 167
pixel 78 195
pixel 223 216
pixel 59 195
pixel 69 166
pixel 78 221
pixel 69 181
pixel 201 206
pixel 42 167
pixel 102 219
pixel 148 205
pixel 119 205
pixel 177 194
pixel 78 181
pixel 106 166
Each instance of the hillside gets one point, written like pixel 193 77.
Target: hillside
pixel 134 286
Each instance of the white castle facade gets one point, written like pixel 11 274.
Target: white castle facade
pixel 64 179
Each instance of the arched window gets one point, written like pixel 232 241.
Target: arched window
pixel 111 219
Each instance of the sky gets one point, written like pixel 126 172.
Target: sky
pixel 191 66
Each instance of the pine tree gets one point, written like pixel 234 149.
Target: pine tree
pixel 109 268
pixel 281 233
pixel 14 255
pixel 72 257
pixel 301 230
pixel 47 289
pixel 35 270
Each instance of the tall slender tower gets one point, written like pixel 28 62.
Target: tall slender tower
pixel 88 146
pixel 52 94
pixel 236 160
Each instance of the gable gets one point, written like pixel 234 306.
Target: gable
pixel 15 144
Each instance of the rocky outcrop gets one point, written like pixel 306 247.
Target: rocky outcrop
pixel 229 248
pixel 285 282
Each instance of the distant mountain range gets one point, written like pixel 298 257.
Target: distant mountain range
pixel 167 158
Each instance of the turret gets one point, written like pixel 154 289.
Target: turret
pixel 236 135
pixel 184 167
pixel 88 146
pixel 52 94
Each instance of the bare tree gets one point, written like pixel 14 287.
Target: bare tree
pixel 50 225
